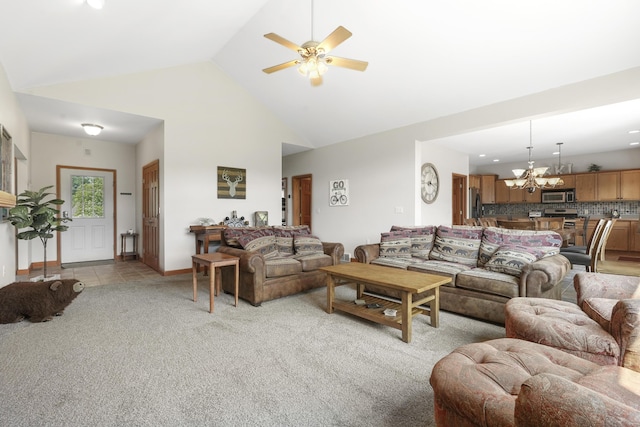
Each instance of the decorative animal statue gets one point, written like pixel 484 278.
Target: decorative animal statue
pixel 232 185
pixel 37 301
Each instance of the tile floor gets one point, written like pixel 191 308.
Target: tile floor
pixel 117 272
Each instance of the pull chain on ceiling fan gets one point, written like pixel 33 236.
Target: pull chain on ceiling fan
pixel 313 55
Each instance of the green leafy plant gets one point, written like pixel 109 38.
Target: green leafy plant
pixel 39 216
pixel 594 168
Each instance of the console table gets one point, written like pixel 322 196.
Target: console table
pixel 205 234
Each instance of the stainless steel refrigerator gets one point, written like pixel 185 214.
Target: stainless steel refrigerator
pixel 475 203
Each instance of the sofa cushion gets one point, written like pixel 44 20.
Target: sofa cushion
pixel 600 310
pixel 562 325
pixel 546 241
pixel 397 262
pixel 421 239
pixel 262 241
pixel 395 244
pixel 510 259
pixel 459 244
pixel 488 282
pixel 311 262
pixel 284 241
pixel 307 244
pixel 443 268
pixel 282 266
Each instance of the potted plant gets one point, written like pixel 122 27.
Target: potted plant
pixel 39 216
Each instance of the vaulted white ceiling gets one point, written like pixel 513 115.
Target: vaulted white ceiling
pixel 427 59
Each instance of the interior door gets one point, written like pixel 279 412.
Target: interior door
pixel 151 215
pixel 459 199
pixel 89 201
pixel 301 194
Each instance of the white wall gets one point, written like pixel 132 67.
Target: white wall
pixel 384 178
pixel 209 121
pixel 12 118
pixel 447 162
pixel 49 151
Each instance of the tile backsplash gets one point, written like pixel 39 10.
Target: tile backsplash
pixel 584 208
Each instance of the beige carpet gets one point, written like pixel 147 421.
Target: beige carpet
pixel 145 354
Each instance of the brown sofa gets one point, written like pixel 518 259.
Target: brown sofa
pixel 276 261
pixel 510 382
pixel 488 266
pixel 604 327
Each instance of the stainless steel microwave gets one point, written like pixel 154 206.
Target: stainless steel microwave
pixel 558 196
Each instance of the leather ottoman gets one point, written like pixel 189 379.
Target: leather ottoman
pixel 562 325
pixel 507 382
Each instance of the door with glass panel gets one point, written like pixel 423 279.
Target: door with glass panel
pixel 89 201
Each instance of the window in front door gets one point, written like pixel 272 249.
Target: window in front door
pixel 87 195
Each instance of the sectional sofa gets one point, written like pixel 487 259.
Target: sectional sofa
pixel 488 266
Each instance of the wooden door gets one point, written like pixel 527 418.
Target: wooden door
pixel 459 199
pixel 151 215
pixel 301 194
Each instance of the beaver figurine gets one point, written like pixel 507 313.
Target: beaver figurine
pixel 37 301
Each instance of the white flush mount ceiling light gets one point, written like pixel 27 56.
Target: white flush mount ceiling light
pixel 96 4
pixel 91 129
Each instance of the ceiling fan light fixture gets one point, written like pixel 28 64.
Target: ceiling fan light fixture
pixel 91 129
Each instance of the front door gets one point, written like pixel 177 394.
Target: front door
pixel 151 215
pixel 89 201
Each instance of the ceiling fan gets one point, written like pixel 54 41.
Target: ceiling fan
pixel 313 55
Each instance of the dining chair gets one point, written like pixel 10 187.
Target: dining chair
pixel 598 255
pixel 549 223
pixel 576 258
pixel 471 221
pixel 488 222
pixel 583 249
pixel 517 225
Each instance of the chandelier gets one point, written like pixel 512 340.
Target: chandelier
pixel 531 178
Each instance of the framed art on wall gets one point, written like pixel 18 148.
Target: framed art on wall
pixel 232 183
pixel 339 192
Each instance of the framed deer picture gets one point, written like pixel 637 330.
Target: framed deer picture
pixel 232 183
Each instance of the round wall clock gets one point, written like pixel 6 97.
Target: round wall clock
pixel 430 184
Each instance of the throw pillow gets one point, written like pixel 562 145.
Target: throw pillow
pixel 262 241
pixel 511 259
pixel 421 239
pixel 459 244
pixel 307 244
pixel 395 244
pixel 284 241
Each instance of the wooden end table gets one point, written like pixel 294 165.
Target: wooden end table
pixel 408 283
pixel 214 262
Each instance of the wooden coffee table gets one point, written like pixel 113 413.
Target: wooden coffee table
pixel 407 282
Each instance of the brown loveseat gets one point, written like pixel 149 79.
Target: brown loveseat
pixel 488 266
pixel 276 261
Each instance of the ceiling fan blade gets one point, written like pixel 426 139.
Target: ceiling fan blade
pixel 339 35
pixel 284 42
pixel 280 66
pixel 352 64
pixel 316 81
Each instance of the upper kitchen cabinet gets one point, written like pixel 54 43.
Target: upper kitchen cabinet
pixel 474 181
pixel 586 187
pixel 569 182
pixel 505 194
pixel 488 189
pixel 618 185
